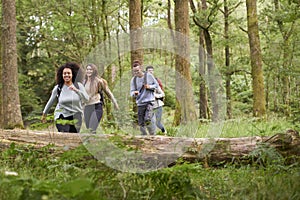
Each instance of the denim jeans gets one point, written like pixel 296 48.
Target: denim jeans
pixel 158 114
pixel 146 112
pixel 92 116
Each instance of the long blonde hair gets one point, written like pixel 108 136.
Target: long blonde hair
pixel 95 78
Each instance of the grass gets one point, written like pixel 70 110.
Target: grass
pixel 49 173
pixel 75 174
pixel 243 127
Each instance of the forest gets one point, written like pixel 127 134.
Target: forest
pixel 230 71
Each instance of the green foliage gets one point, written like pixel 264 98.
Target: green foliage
pixel 170 99
pixel 48 173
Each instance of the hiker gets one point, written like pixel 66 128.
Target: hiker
pixel 95 86
pixel 142 87
pixel 70 95
pixel 158 103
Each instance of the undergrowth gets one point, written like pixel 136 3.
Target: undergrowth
pixel 28 173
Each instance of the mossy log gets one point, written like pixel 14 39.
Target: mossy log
pixel 215 150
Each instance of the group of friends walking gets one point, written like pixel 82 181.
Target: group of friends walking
pixel 79 95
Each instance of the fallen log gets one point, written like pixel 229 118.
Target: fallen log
pixel 162 150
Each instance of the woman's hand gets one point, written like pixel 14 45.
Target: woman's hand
pixel 72 87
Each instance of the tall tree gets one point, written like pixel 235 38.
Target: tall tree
pixel 286 33
pixel 205 25
pixel 259 101
pixel 10 87
pixel 203 107
pixel 1 110
pixel 136 38
pixel 227 59
pixel 136 35
pixel 227 12
pixel 184 92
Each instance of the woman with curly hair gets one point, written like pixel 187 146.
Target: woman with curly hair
pixel 70 94
pixel 94 86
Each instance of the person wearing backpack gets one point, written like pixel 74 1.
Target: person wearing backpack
pixel 95 86
pixel 70 95
pixel 142 87
pixel 159 101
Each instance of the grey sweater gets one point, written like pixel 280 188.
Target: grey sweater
pixel 69 101
pixel 145 95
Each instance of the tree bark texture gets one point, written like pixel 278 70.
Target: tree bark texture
pixel 227 60
pixel 136 39
pixel 286 33
pixel 259 101
pixel 221 150
pixel 213 77
pixel 184 91
pixel 203 107
pixel 11 115
pixel 136 35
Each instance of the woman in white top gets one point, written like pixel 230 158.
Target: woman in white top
pixel 94 86
pixel 70 94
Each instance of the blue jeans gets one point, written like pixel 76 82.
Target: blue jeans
pixel 92 116
pixel 158 114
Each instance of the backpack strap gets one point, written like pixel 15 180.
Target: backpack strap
pixel 60 86
pixel 145 81
pixel 59 89
pixel 135 84
pixel 145 78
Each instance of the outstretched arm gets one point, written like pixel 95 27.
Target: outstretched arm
pixel 105 88
pixel 49 104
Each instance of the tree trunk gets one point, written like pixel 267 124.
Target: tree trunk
pixel 203 107
pixel 1 92
pixel 213 77
pixel 108 70
pixel 12 117
pixel 136 35
pixel 184 90
pixel 136 40
pixel 225 150
pixel 227 60
pixel 259 101
pixel 286 33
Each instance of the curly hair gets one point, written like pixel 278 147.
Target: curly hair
pixel 77 73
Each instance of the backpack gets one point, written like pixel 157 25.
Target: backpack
pixel 145 82
pixel 161 87
pixel 59 88
pixel 160 83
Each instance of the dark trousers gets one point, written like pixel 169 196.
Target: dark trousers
pixel 92 116
pixel 73 126
pixel 145 119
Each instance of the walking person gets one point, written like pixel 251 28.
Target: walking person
pixel 158 103
pixel 70 95
pixel 95 86
pixel 142 87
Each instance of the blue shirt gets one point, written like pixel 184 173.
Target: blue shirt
pixel 145 95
